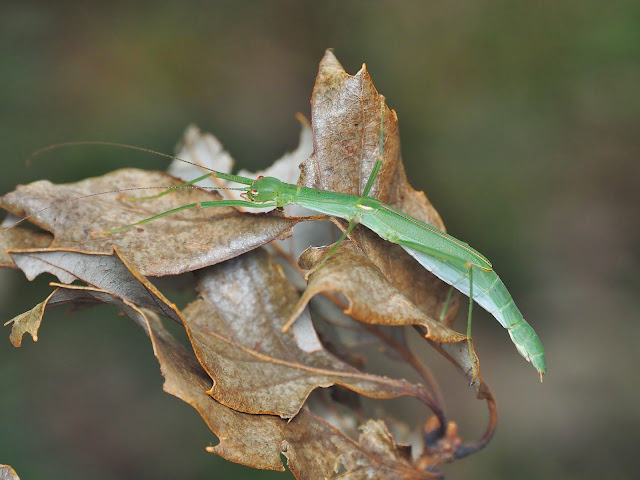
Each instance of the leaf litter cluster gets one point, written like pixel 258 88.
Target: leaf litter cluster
pixel 261 391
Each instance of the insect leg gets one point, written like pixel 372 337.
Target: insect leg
pixel 378 164
pixel 471 354
pixel 446 304
pixel 214 203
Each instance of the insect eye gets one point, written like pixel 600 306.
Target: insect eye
pixel 254 193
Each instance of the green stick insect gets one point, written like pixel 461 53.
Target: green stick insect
pixel 450 259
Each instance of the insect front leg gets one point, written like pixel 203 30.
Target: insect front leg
pixel 445 307
pixel 170 190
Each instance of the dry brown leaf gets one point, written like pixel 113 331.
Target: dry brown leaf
pixel 29 322
pixel 235 330
pixel 313 448
pixel 111 273
pixel 20 238
pixel 372 299
pixel 244 344
pixel 345 116
pixel 420 286
pixel 178 243
pixel 8 473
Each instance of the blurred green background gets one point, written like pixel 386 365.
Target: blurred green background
pixel 520 120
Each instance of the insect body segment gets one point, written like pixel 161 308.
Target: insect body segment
pixel 266 189
pixel 491 294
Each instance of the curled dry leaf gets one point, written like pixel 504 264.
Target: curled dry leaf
pixel 8 473
pixel 421 287
pixel 20 238
pixel 314 449
pixel 107 272
pixel 372 299
pixel 178 243
pixel 235 330
pixel 345 116
pixel 29 322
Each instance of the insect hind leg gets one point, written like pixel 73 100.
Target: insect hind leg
pixel 472 356
pixel 447 301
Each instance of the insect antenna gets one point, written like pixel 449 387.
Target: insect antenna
pixel 215 173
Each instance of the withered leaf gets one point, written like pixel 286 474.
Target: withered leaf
pixel 177 243
pixel 29 322
pixel 17 238
pixel 8 473
pixel 111 273
pixel 314 449
pixel 420 286
pixel 372 299
pixel 235 330
pixel 345 116
pixel 346 112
